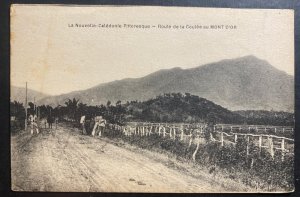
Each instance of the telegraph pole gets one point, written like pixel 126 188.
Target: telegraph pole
pixel 34 109
pixel 26 108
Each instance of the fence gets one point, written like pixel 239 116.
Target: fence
pixel 257 128
pixel 269 142
pixel 194 133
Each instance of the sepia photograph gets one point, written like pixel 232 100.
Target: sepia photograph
pixel 151 99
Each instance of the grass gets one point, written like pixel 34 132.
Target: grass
pixel 259 171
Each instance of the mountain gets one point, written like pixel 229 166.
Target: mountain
pixel 237 84
pixel 18 94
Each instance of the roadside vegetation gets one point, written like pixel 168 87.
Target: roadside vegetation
pixel 257 169
pixel 171 108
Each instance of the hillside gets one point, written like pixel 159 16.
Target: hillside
pixel 176 107
pixel 237 84
pixel 18 94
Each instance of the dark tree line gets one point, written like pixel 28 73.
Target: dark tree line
pixel 170 107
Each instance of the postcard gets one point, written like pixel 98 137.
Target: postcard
pixel 151 99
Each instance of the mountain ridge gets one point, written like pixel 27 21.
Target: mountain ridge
pixel 238 84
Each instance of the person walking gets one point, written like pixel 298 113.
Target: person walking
pixel 33 123
pixel 102 124
pixel 50 121
pixel 82 122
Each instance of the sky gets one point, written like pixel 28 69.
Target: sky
pixel 56 58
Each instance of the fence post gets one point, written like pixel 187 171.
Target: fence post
pixel 231 128
pixel 235 138
pixel 170 132
pixel 211 137
pixel 195 152
pixel 191 139
pixel 282 149
pixel 260 143
pixel 174 130
pixel 159 131
pixel 181 137
pixel 271 146
pixel 143 131
pixel 222 139
pixel 247 148
pixel 125 131
pixel 164 134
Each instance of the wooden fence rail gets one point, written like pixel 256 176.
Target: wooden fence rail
pixel 257 128
pixel 194 133
pixel 283 142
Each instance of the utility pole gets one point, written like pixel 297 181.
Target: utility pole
pixel 26 108
pixel 39 112
pixel 34 112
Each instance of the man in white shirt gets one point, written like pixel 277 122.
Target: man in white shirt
pixel 82 122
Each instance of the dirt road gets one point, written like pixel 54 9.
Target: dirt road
pixel 64 160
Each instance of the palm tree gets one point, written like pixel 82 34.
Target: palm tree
pixel 72 106
pixel 81 110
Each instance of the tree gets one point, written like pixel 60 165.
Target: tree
pixel 30 110
pixel 72 107
pixel 18 112
pixel 17 109
pixel 118 103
